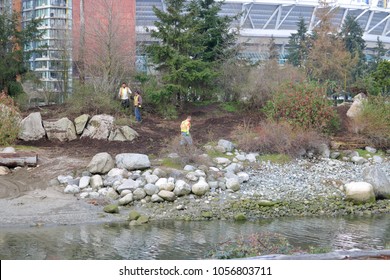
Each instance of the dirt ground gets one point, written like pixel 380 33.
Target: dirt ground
pixel 28 197
pixel 60 158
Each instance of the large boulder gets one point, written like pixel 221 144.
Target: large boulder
pixel 101 163
pixel 357 106
pixel 377 178
pixel 62 129
pixel 359 192
pixel 182 188
pixel 80 123
pixel 201 187
pixel 132 161
pixel 99 127
pixel 31 128
pixel 226 145
pixel 123 133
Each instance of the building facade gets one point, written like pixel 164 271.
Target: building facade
pixel 261 19
pixel 51 57
pixel 100 22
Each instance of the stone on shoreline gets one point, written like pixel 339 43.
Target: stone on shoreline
pixel 359 192
pixel 132 161
pixel 101 163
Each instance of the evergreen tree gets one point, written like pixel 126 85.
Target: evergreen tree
pixel 352 35
pixel 298 45
pixel 13 58
pixel 378 52
pixel 193 40
pixel 382 77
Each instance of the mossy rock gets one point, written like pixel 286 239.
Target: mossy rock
pixel 143 219
pixel 134 215
pixel 240 217
pixel 111 208
pixel 207 214
pixel 266 203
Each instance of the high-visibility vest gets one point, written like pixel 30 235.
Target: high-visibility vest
pixel 136 100
pixel 185 126
pixel 124 93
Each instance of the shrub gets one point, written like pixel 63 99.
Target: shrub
pixel 254 84
pixel 86 100
pixel 10 120
pixel 303 105
pixel 186 154
pixel 374 121
pixel 272 137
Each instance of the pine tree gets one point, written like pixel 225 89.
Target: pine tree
pixel 192 41
pixel 298 45
pixel 352 35
pixel 378 52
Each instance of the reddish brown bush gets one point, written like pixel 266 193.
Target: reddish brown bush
pixel 278 138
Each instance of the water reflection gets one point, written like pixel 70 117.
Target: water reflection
pixel 185 240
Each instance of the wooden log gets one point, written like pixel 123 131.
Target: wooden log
pixel 19 159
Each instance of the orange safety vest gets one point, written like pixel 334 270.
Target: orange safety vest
pixel 185 126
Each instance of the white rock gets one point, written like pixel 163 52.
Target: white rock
pixel 359 192
pixel 233 184
pixel 84 182
pixel 182 188
pixel 96 182
pixel 72 189
pixel 117 172
pixel 189 168
pixel 126 199
pixel 132 161
pixel 151 179
pixel 222 160
pixel 167 195
pixel 371 150
pixel 8 150
pixel 229 146
pixel 151 189
pixel 64 179
pixel 101 163
pixel 243 177
pixel 99 127
pixel 377 178
pixel 62 130
pixel 156 198
pixel 31 128
pixel 128 184
pixel 139 194
pixel 251 157
pixel 201 187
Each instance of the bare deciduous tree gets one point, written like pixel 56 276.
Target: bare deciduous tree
pixel 109 50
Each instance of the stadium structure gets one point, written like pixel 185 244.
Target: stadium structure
pixel 259 20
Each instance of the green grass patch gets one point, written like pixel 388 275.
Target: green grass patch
pixel 215 154
pixel 276 158
pixel 366 154
pixel 171 163
pixel 231 107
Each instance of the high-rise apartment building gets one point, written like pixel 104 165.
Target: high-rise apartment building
pixel 51 57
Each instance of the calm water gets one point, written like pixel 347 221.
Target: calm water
pixel 185 240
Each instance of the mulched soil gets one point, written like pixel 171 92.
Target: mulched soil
pixel 209 123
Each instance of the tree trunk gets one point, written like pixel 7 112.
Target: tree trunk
pixel 18 159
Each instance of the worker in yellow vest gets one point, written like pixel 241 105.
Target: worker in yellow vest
pixel 185 126
pixel 124 95
pixel 137 99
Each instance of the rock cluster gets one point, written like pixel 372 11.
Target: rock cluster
pixel 129 177
pixel 84 126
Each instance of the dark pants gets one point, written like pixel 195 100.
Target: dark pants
pixel 125 103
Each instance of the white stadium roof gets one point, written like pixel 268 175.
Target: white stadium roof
pixel 262 18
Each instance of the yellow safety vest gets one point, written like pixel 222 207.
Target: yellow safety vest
pixel 136 100
pixel 185 126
